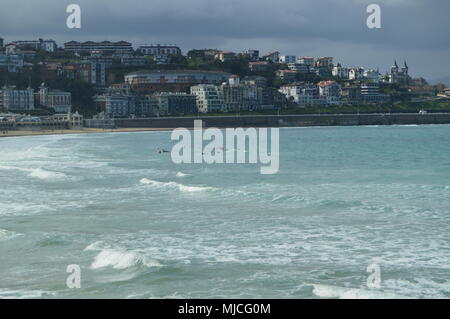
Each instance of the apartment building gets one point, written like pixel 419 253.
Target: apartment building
pixel 38 45
pixel 14 99
pixel 287 59
pixel 262 66
pixel 306 60
pixel 175 103
pixel 287 75
pixel 155 81
pixel 106 47
pixel 225 56
pixel 330 92
pixel 302 93
pixel 273 57
pixel 11 62
pixel 240 97
pixel 209 98
pixel 58 100
pixel 252 54
pixel 158 49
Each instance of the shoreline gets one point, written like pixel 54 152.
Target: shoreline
pixel 257 121
pixel 28 133
pixel 20 133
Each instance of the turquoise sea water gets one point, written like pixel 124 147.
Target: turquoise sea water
pixel 140 226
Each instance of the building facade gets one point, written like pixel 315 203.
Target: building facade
pixel 209 98
pixel 273 57
pixel 175 103
pixel 302 93
pixel 154 50
pixel 225 56
pixel 330 92
pixel 370 93
pixel 58 100
pixel 240 97
pixel 340 72
pixel 16 100
pixel 11 62
pixel 252 54
pixel 156 81
pixel 91 72
pixel 288 59
pixel 120 47
pixel 115 104
pixel 287 75
pixel 399 75
pixel 40 44
pixel 262 66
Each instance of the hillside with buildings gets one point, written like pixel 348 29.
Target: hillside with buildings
pixel 115 80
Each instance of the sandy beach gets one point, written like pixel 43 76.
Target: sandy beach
pixel 75 131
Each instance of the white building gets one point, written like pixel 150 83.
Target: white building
pixel 40 44
pixel 288 59
pixel 252 54
pixel 372 76
pixel 304 94
pixel 306 60
pixel 13 62
pixel 17 100
pixel 272 56
pixel 209 98
pixel 302 68
pixel 58 100
pixel 356 73
pixel 225 56
pixel 340 72
pixel 330 92
pixel 158 50
pixel 325 62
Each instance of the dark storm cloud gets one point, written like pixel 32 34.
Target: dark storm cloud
pixel 413 29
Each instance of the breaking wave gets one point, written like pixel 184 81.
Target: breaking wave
pixel 43 174
pixel 118 258
pixel 23 294
pixel 7 235
pixel 36 172
pixel 334 292
pixel 180 174
pixel 174 185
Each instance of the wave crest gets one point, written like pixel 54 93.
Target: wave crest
pixel 174 185
pixel 118 258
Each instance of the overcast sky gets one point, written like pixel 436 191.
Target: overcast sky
pixel 415 30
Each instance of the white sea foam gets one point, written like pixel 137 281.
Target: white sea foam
pixel 190 189
pixel 36 172
pixel 174 185
pixel 7 235
pixel 180 174
pixel 326 291
pixel 43 174
pixel 118 258
pixel 23 294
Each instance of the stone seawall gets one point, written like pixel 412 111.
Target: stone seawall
pixel 287 120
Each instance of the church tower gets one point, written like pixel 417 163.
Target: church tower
pixel 405 69
pixel 395 68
